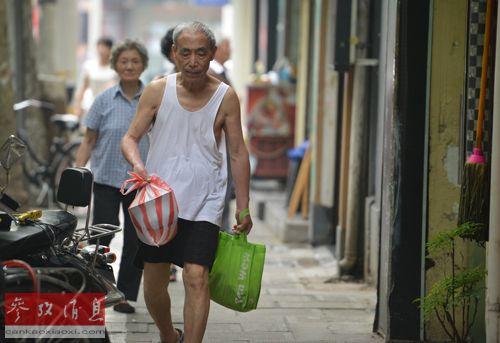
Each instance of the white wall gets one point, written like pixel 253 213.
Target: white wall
pixel 242 43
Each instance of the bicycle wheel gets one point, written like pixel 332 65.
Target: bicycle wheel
pixel 39 184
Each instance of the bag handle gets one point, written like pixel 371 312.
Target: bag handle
pixel 157 181
pixel 137 182
pixel 241 237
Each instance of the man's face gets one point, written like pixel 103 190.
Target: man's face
pixel 192 54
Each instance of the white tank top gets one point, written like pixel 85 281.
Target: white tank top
pixel 183 152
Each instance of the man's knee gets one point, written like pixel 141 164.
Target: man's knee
pixel 195 276
pixel 156 275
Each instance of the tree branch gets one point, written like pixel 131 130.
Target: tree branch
pixel 443 324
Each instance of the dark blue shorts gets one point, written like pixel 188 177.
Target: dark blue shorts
pixel 195 242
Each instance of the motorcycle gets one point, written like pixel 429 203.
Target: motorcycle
pixel 45 251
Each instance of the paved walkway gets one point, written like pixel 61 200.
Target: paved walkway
pixel 300 301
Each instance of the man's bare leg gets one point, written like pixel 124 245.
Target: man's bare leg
pixel 197 303
pixel 156 277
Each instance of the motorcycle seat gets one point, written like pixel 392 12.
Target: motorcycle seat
pixel 52 228
pixel 65 121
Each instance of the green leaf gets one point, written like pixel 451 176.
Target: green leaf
pixel 443 241
pixel 451 291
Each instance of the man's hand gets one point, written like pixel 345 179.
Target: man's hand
pixel 140 170
pixel 243 225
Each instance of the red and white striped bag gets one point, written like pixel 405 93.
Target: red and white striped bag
pixel 154 209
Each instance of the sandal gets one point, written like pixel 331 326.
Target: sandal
pixel 181 336
pixel 173 274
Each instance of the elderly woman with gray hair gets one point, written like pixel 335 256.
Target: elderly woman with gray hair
pixel 107 122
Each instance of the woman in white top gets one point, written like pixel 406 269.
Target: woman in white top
pixel 97 76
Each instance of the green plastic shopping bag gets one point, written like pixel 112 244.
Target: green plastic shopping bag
pixel 236 274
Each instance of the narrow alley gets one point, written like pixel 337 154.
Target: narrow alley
pixel 368 133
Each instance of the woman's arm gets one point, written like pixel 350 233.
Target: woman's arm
pixel 85 149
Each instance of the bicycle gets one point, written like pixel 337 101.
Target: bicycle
pixel 45 174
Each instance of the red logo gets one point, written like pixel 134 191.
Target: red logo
pixel 57 315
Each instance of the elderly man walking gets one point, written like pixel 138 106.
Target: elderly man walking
pixel 193 115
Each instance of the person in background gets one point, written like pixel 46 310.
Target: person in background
pixel 194 116
pixel 217 69
pixel 107 122
pixel 222 55
pixel 166 49
pixel 96 76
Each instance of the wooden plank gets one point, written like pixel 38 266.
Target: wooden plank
pixel 300 183
pixel 305 197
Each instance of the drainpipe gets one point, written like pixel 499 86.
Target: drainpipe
pixel 357 147
pixel 493 252
pixel 355 183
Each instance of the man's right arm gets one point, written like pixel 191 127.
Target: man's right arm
pixel 146 109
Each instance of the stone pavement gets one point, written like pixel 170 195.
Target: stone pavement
pixel 301 301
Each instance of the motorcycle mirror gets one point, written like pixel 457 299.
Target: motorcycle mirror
pixel 11 151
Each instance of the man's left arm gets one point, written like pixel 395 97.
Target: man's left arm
pixel 240 165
